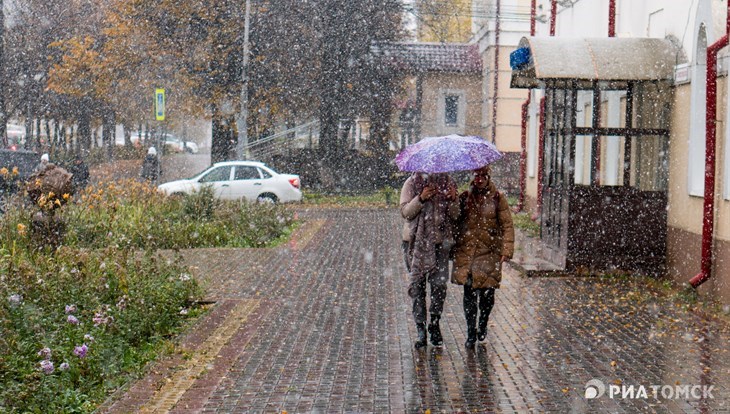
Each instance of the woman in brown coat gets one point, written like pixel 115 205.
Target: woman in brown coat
pixel 484 240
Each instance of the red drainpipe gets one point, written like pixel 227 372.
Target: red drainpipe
pixel 533 13
pixel 525 107
pixel 708 225
pixel 553 16
pixel 612 18
pixel 496 73
pixel 523 154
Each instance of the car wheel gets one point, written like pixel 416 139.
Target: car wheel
pixel 267 198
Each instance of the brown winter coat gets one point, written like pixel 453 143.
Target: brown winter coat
pixel 482 239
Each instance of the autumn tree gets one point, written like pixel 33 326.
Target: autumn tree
pixel 38 25
pixel 350 80
pixel 445 21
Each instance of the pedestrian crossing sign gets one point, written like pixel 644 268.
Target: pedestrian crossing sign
pixel 160 104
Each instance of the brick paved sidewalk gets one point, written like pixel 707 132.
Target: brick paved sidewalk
pixel 323 325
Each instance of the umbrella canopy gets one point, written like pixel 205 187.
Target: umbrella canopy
pixel 447 153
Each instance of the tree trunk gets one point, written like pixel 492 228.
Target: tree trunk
pixel 220 146
pixel 38 135
pixel 83 133
pixel 49 136
pixel 107 137
pixel 62 137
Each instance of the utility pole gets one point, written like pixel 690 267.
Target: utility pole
pixel 242 118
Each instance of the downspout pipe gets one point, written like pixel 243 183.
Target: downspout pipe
pixel 612 18
pixel 708 224
pixel 553 16
pixel 525 109
pixel 523 153
pixel 496 72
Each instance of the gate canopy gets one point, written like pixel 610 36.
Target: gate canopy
pixel 538 60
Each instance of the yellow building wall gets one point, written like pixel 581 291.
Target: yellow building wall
pixel 685 212
pixel 509 106
pixel 431 116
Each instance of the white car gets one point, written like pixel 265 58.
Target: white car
pixel 236 180
pixel 172 143
pixel 177 146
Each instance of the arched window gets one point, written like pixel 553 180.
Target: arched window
pixel 696 150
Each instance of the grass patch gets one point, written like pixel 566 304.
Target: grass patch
pixel 523 222
pixel 385 197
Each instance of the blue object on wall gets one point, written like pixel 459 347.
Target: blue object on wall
pixel 520 58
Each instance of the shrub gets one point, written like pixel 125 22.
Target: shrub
pixel 133 214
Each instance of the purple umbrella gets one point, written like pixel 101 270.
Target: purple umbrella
pixel 447 153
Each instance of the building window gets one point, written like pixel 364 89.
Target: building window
pixel 451 110
pixel 696 150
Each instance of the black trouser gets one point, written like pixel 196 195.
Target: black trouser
pixel 438 280
pixel 473 298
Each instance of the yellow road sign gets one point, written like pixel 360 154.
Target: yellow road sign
pixel 160 104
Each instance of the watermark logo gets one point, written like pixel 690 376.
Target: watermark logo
pixel 596 389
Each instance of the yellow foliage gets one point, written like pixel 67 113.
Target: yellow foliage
pixel 444 20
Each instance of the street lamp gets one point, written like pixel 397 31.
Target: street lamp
pixel 242 118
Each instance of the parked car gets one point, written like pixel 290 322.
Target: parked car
pixel 171 142
pixel 176 145
pixel 235 180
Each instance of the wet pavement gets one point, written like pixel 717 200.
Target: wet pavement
pixel 323 324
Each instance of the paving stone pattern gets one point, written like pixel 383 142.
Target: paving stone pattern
pixel 332 332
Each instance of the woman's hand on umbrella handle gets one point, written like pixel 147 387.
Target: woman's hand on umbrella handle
pixel 427 193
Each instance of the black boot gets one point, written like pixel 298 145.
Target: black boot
pixel 471 332
pixel 421 341
pixel 482 332
pixel 435 330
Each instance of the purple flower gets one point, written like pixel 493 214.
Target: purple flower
pixel 88 338
pixel 45 353
pixel 101 319
pixel 80 351
pixel 70 308
pixel 47 366
pixel 64 366
pixel 15 300
pixel 72 320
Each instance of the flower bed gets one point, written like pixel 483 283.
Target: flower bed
pixel 77 321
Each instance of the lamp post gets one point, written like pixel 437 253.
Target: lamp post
pixel 242 118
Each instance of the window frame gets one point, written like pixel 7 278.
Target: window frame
pixel 230 170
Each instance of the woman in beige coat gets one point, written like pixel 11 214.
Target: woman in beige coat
pixel 484 240
pixel 429 205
